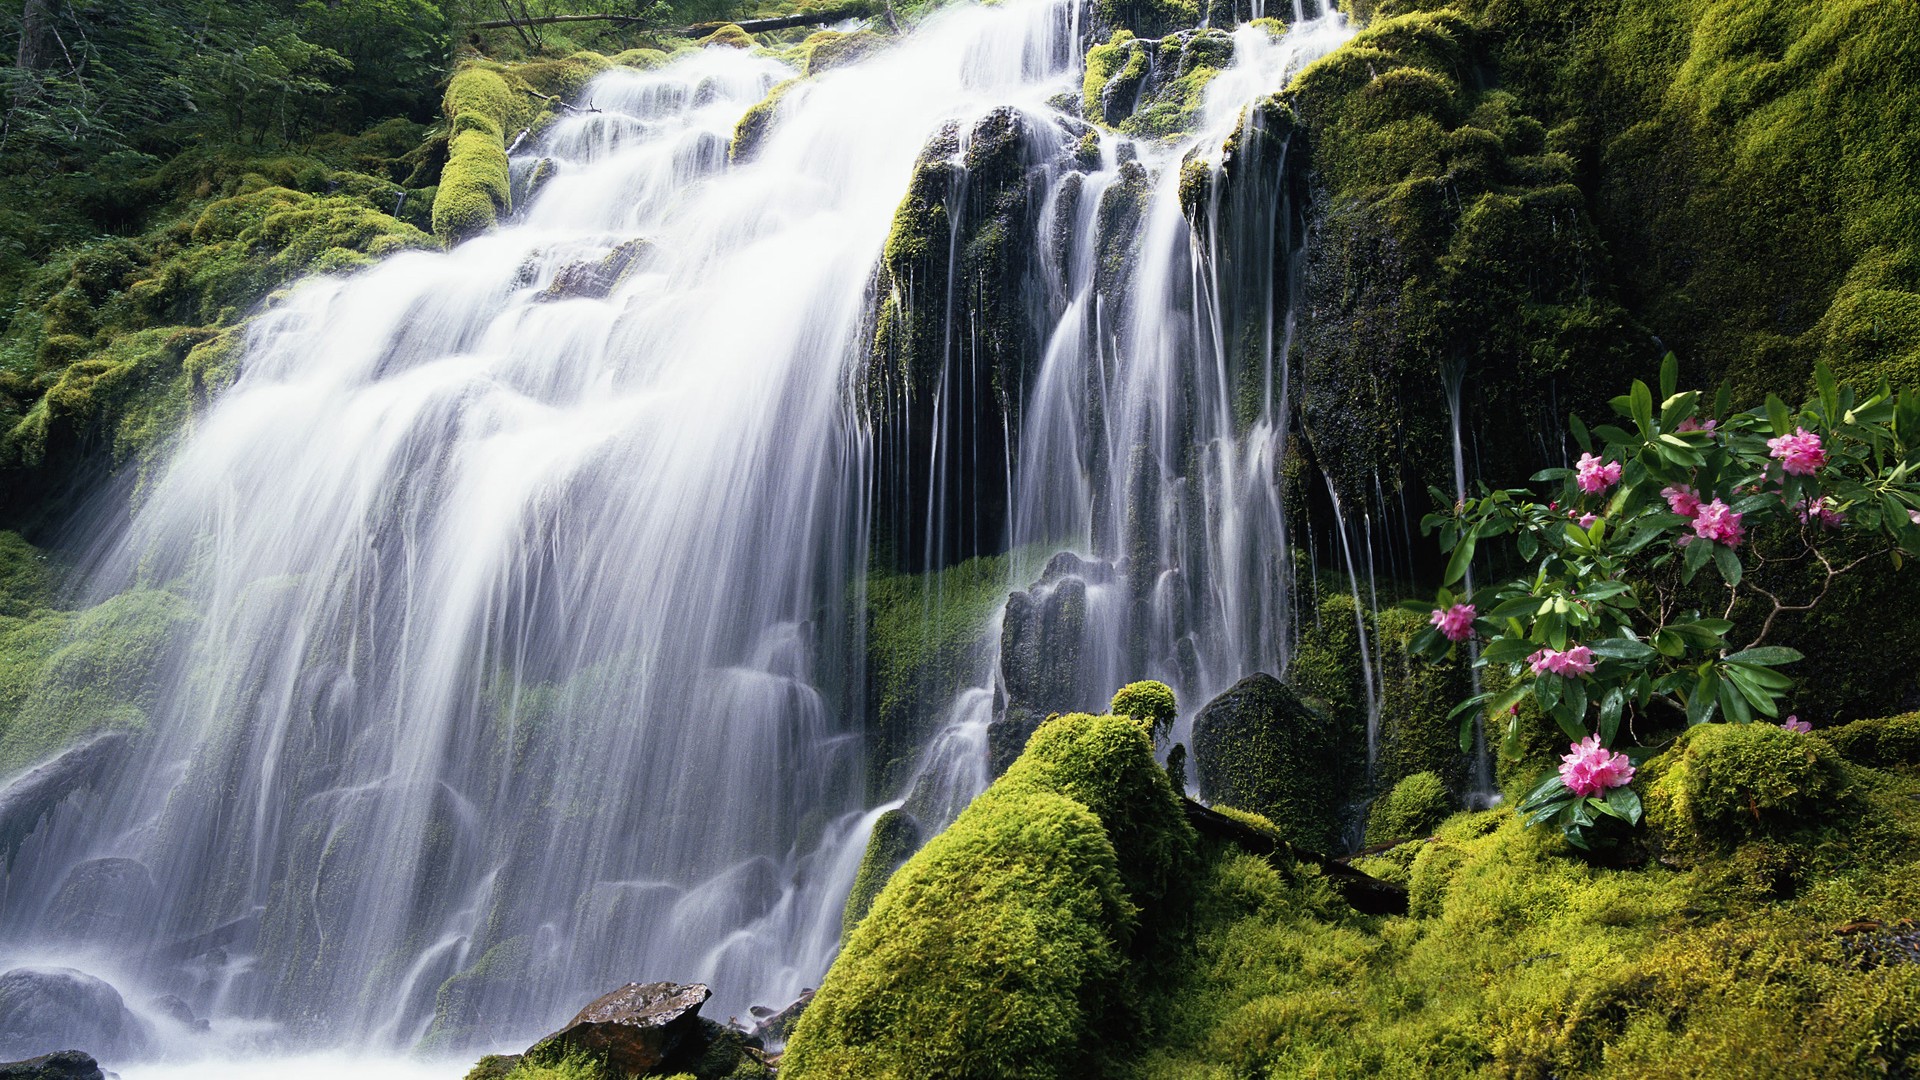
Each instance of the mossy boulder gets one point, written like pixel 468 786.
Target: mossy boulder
pixel 1416 804
pixel 1724 784
pixel 896 836
pixel 1259 747
pixel 1006 945
pixel 1417 734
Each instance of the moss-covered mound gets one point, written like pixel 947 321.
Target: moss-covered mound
pixel 1778 953
pixel 895 838
pixel 1004 947
pixel 1259 747
pixel 1416 804
pixel 489 107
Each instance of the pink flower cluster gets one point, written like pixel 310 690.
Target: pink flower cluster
pixel 1716 521
pixel 1799 453
pixel 1592 769
pixel 1575 661
pixel 1594 476
pixel 1682 500
pixel 1691 424
pixel 1794 723
pixel 1456 622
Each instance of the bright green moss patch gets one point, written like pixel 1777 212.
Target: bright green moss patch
pixel 757 123
pixel 1416 804
pixel 1888 742
pixel 1725 783
pixel 1149 702
pixel 995 951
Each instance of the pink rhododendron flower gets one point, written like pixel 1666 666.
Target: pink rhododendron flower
pixel 1717 522
pixel 1575 661
pixel 1690 424
pixel 1794 723
pixel 1587 520
pixel 1595 476
pixel 1682 500
pixel 1456 622
pixel 1593 769
pixel 1800 453
pixel 1914 516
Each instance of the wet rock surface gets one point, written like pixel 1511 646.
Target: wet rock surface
pixel 44 1009
pixel 63 1065
pixel 634 1028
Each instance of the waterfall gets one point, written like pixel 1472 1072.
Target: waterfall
pixel 529 574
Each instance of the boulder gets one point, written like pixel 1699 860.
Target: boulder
pixel 104 900
pixel 43 1009
pixel 633 1029
pixel 1258 747
pixel 774 1028
pixel 64 1065
pixel 31 796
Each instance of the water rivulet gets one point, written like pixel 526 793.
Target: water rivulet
pixel 529 654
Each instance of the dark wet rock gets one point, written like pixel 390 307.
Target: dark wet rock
pixel 104 900
pixel 774 1028
pixel 1258 747
pixel 634 1029
pixel 32 795
pixel 64 1065
pixel 45 1009
pixel 594 280
pixel 177 1010
pixel 1007 735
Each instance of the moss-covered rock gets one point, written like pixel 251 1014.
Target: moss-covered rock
pixel 757 122
pixel 1885 742
pixel 1260 748
pixel 1416 733
pixel 896 836
pixel 1727 783
pixel 1416 804
pixel 1152 703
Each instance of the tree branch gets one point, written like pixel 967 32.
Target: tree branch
pixel 751 26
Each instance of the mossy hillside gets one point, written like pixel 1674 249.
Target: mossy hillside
pixel 1012 943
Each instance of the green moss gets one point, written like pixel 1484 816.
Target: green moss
pixel 995 951
pixel 640 59
pixel 1148 18
pixel 896 836
pixel 1416 733
pixel 925 635
pixel 730 36
pixel 26 577
pixel 66 675
pixel 1113 73
pixel 1149 702
pixel 757 122
pixel 1726 783
pixel 1259 747
pixel 1416 804
pixel 1886 742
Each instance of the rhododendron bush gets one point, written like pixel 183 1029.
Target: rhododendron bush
pixel 1613 619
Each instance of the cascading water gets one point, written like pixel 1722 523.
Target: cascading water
pixel 527 575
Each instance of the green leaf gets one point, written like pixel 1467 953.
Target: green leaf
pixel 1604 591
pixel 1770 655
pixel 1457 564
pixel 1626 804
pixel 1641 402
pixel 1529 545
pixel 1622 648
pixel 1698 554
pixel 1573 709
pixel 1551 474
pixel 1519 607
pixel 1611 707
pixel 1777 416
pixel 1580 433
pixel 1732 702
pixel 1507 650
pixel 1548 792
pixel 1829 392
pixel 1727 562
pixel 1669 375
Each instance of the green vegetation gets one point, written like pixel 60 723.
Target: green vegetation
pixel 1151 703
pixel 1259 747
pixel 1416 804
pixel 895 838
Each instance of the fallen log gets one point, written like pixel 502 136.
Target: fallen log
pixel 751 26
pixel 1362 890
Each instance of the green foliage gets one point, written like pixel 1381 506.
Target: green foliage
pixel 1149 702
pixel 895 838
pixel 1415 805
pixel 1724 784
pixel 1148 18
pixel 1600 626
